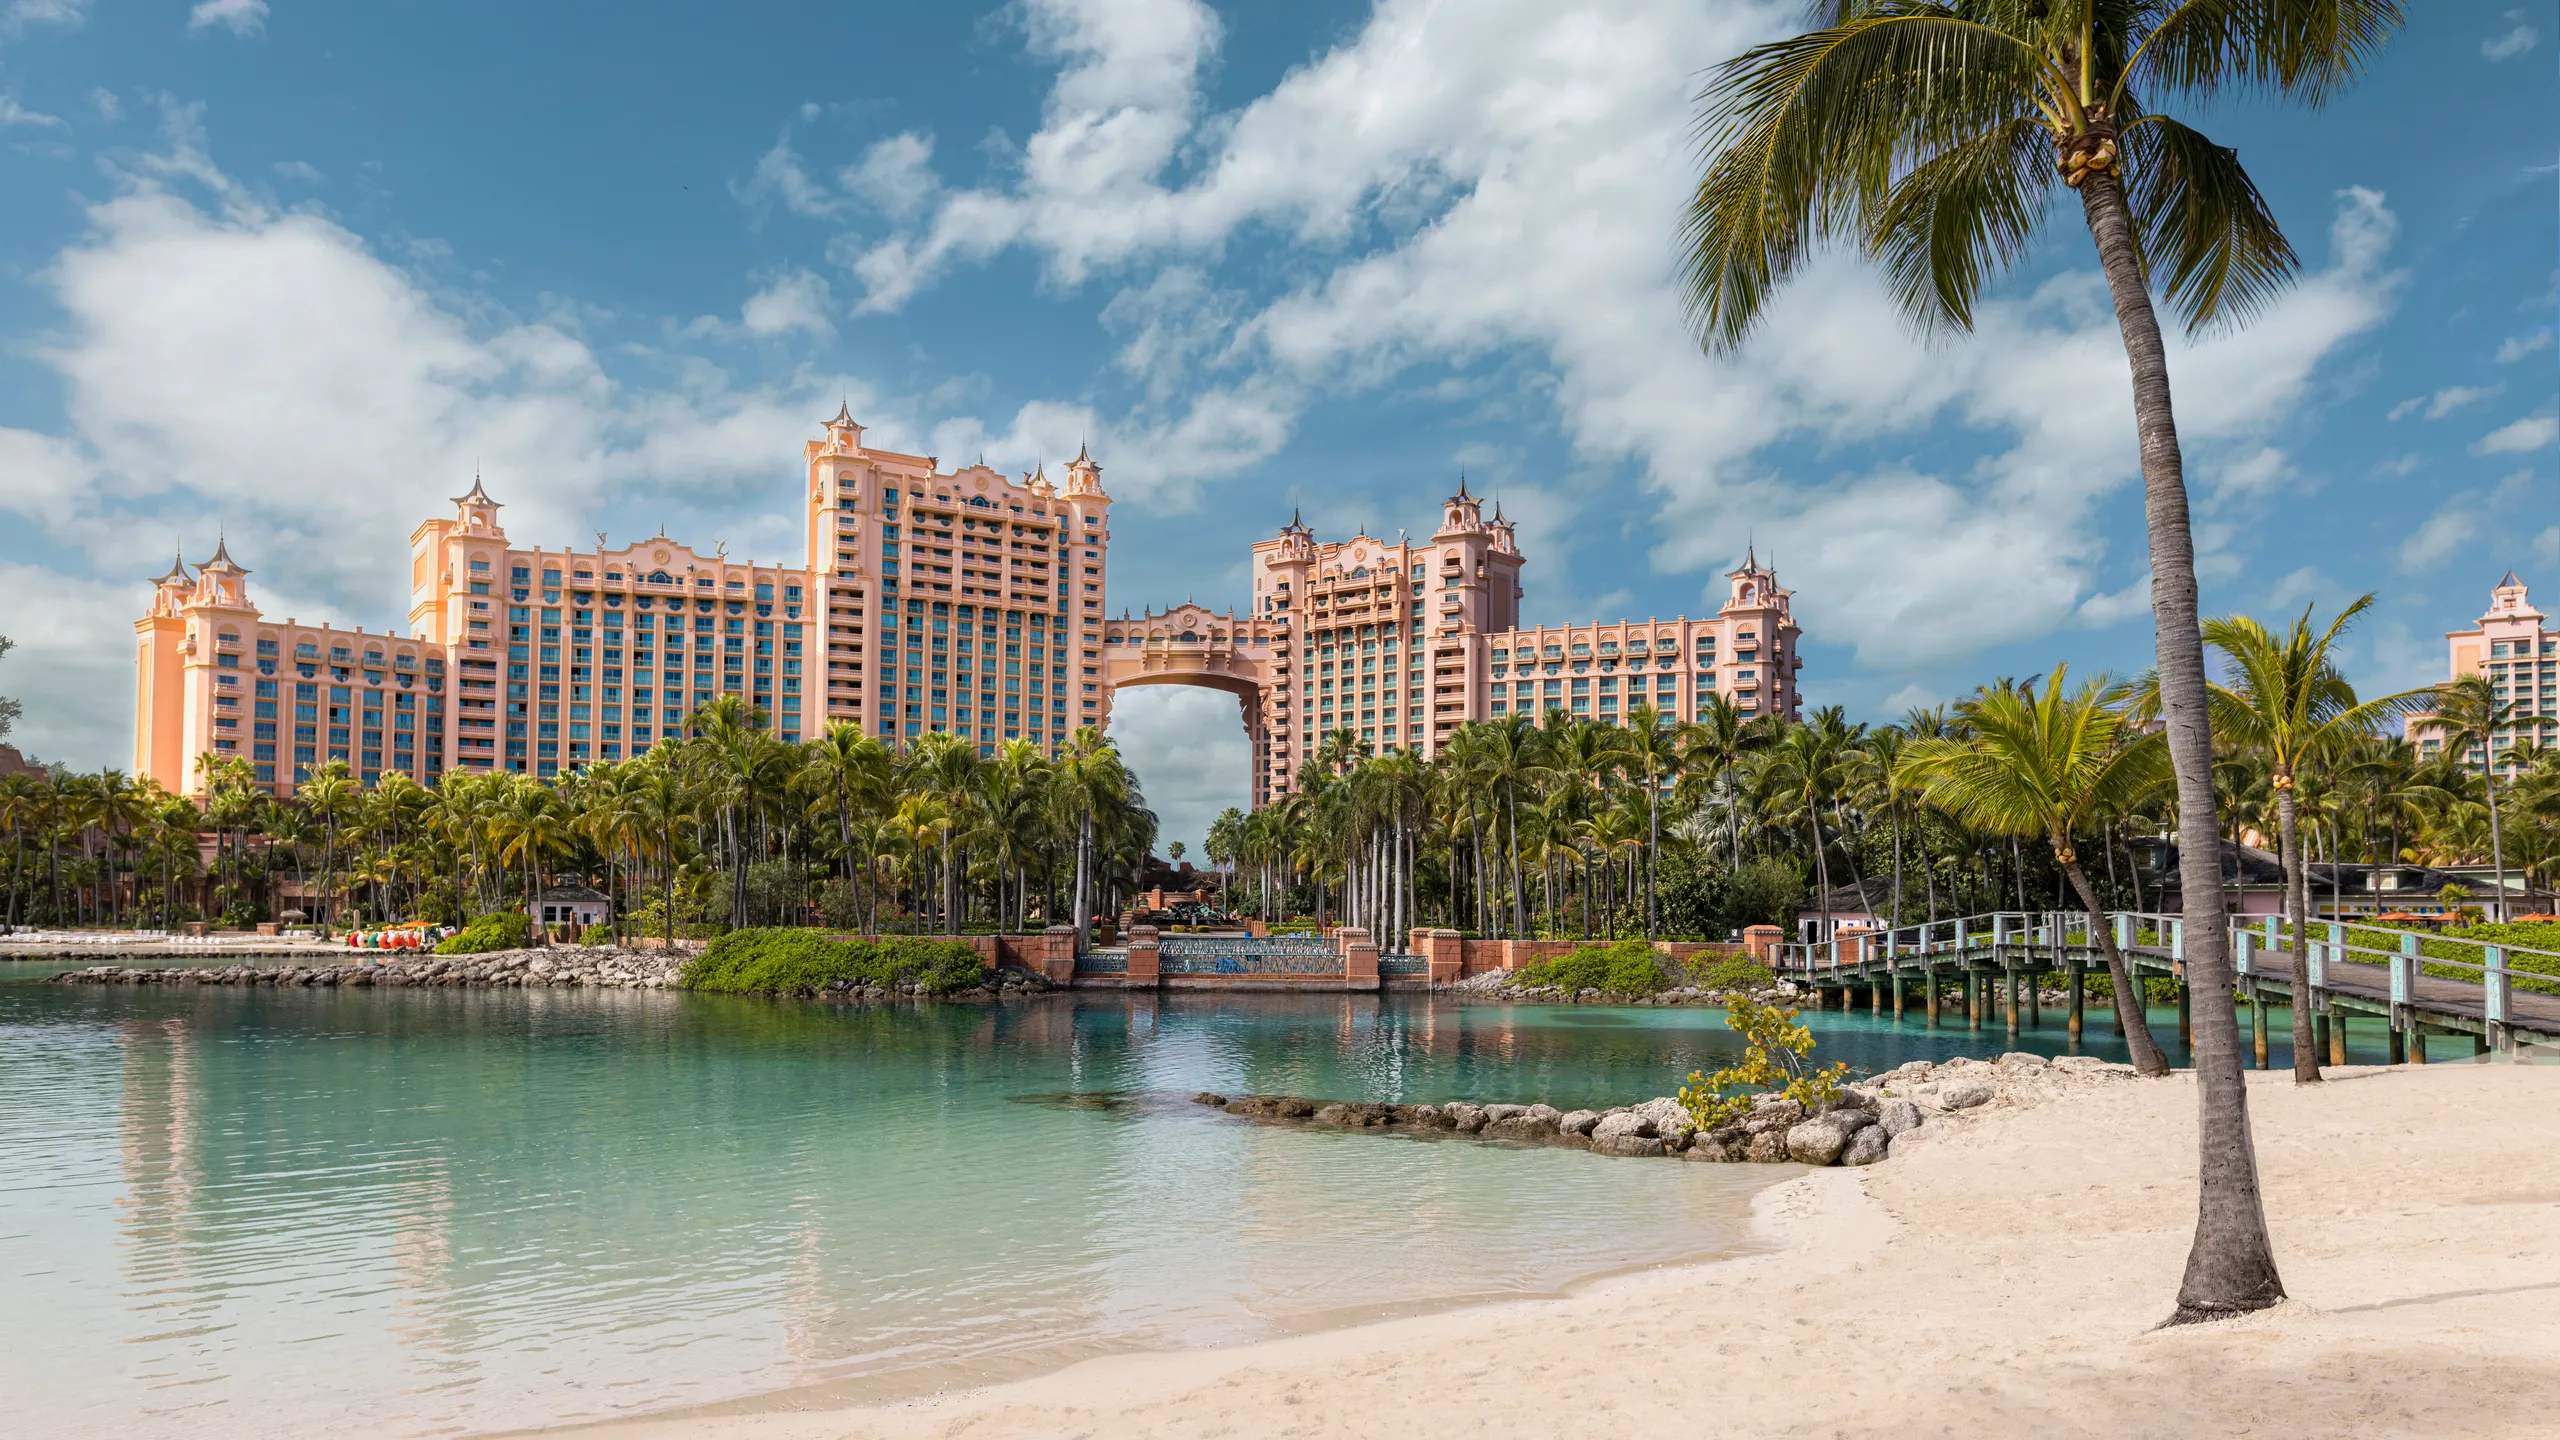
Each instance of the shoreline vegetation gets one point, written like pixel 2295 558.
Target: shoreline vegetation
pixel 2006 1279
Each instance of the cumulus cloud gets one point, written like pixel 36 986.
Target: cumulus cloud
pixel 14 114
pixel 2512 42
pixel 229 365
pixel 240 17
pixel 1464 185
pixel 2520 346
pixel 2523 437
pixel 1189 745
pixel 19 14
pixel 2444 402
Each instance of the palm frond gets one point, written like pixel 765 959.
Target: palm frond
pixel 1804 135
pixel 1958 219
pixel 2304 49
pixel 2205 232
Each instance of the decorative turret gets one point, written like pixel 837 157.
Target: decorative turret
pixel 1083 476
pixel 1506 539
pixel 219 580
pixel 1461 512
pixel 844 432
pixel 171 591
pixel 1755 585
pixel 475 512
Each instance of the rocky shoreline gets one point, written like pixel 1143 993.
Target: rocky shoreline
pixel 1863 1123
pixel 559 966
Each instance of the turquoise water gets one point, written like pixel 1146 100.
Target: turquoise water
pixel 229 1211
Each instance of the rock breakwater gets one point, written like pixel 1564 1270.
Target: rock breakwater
pixel 1863 1123
pixel 555 967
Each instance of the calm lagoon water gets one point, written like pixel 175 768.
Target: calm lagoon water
pixel 240 1211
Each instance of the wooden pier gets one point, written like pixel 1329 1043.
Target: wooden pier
pixel 1982 967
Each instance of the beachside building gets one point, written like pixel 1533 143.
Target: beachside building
pixel 1401 642
pixel 2517 648
pixel 960 602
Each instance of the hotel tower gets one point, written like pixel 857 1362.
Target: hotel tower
pixel 964 603
pixel 927 601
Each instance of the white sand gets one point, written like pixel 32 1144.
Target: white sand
pixel 2005 1281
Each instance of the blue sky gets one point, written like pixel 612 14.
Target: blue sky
pixel 295 270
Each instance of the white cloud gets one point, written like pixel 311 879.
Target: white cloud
pixel 13 113
pixel 2443 533
pixel 2546 546
pixel 2520 346
pixel 230 365
pixel 240 17
pixel 2523 437
pixel 2444 402
pixel 1188 748
pixel 1501 182
pixel 302 170
pixel 22 13
pixel 2513 43
pixel 72 665
pixel 895 175
pixel 795 301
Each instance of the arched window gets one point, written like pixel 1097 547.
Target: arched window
pixel 1188 636
pixel 661 577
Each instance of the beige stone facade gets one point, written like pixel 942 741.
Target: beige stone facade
pixel 1401 643
pixel 2518 649
pixel 927 601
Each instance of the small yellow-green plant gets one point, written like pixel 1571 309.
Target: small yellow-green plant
pixel 1773 1059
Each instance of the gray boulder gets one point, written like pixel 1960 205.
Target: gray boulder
pixel 1963 1094
pixel 1627 1145
pixel 1671 1119
pixel 1618 1124
pixel 1769 1147
pixel 1814 1143
pixel 1896 1116
pixel 1578 1122
pixel 2021 1060
pixel 1867 1146
pixel 1546 1114
pixel 1465 1118
pixel 1523 1126
pixel 1504 1112
pixel 1910 1140
pixel 1716 1151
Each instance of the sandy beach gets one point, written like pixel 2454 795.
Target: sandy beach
pixel 2006 1280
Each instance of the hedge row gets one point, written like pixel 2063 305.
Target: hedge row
pixel 803 962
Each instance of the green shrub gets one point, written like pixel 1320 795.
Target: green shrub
pixel 2522 963
pixel 1737 971
pixel 497 930
pixel 1628 967
pixel 596 935
pixel 804 962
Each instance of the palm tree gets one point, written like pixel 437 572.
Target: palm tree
pixel 1932 133
pixel 1654 751
pixel 2470 711
pixel 2049 762
pixel 2287 703
pixel 328 795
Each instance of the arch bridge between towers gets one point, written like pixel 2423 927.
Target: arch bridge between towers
pixel 1191 644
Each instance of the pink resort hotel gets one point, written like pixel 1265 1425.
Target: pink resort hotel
pixel 960 602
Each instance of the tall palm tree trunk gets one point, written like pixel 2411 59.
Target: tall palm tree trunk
pixel 2297 904
pixel 2231 1266
pixel 2147 1059
pixel 2497 841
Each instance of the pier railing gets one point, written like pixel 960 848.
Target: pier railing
pixel 2444 982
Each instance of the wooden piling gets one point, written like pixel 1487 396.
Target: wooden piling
pixel 2079 976
pixel 2417 1045
pixel 2035 999
pixel 2399 1051
pixel 1973 989
pixel 2009 984
pixel 2186 1017
pixel 2334 1031
pixel 2257 1026
pixel 2320 1035
pixel 1929 995
pixel 1899 986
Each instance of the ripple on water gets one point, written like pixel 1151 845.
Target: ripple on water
pixel 232 1211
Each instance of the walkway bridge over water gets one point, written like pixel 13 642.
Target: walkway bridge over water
pixel 2413 985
